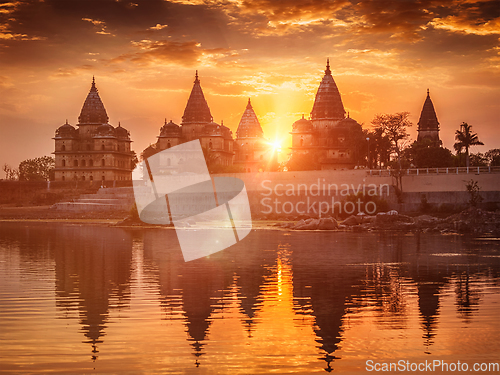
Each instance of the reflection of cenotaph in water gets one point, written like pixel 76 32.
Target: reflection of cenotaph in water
pixel 92 266
pixel 198 290
pixel 333 275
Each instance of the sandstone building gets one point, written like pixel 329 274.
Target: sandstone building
pixel 95 150
pixel 328 135
pixel 254 153
pixel 197 123
pixel 250 150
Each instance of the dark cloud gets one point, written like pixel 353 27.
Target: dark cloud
pixel 185 53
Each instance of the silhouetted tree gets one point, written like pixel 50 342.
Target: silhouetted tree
pixel 380 148
pixel 478 160
pixel 426 154
pixel 395 128
pixel 465 138
pixel 10 173
pixel 493 157
pixel 38 169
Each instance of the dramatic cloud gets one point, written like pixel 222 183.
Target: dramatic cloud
pixel 384 55
pixel 185 53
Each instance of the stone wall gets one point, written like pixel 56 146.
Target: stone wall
pixel 315 193
pixel 49 192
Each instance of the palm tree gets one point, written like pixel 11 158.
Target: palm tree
pixel 465 138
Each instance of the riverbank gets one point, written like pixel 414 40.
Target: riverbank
pixel 471 221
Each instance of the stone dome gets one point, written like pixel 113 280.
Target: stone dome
pixel 215 129
pixel 66 131
pixel 170 130
pixel 302 126
pixel 105 130
pixel 122 132
pixel 347 123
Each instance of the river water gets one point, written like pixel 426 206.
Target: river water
pixel 91 299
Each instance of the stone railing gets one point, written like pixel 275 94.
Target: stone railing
pixel 433 171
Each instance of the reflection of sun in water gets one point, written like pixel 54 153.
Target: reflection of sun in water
pixel 280 279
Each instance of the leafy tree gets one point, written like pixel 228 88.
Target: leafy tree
pixel 10 173
pixel 478 160
pixel 426 154
pixel 134 160
pixel 465 138
pixel 493 157
pixel 357 144
pixel 380 149
pixel 38 169
pixel 474 196
pixel 394 127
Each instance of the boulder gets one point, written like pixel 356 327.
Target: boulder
pixel 327 223
pixel 384 218
pixel 350 221
pixel 309 224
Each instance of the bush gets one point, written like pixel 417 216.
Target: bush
pixel 381 204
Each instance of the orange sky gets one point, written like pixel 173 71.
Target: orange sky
pixel 143 53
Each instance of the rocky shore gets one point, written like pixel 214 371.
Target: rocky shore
pixel 472 221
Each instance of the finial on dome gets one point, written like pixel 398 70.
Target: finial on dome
pixel 249 105
pixel 328 71
pixel 428 92
pixel 302 116
pixel 222 122
pixel 348 115
pixel 67 122
pixel 196 80
pixel 119 124
pixel 165 121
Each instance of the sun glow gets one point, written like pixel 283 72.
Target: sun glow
pixel 276 146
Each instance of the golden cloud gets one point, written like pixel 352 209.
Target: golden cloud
pixel 466 26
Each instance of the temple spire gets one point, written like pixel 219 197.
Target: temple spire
pixel 93 111
pixel 428 124
pixel 197 110
pixel 328 103
pixel 328 71
pixel 249 126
